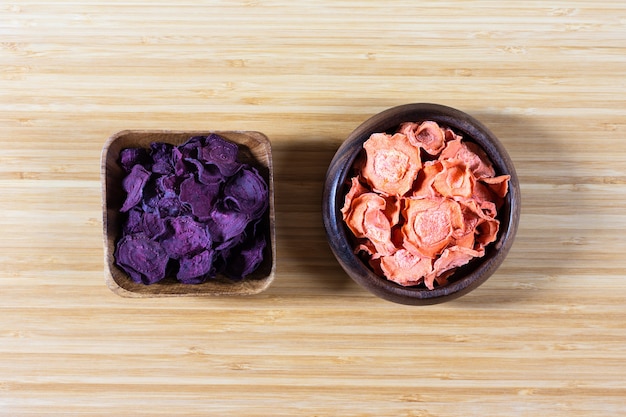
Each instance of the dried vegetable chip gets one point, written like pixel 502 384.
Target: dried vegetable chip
pixel 132 156
pixel 133 184
pixel 193 211
pixel 221 154
pixel 427 135
pixel 245 258
pixel 193 269
pixel 246 192
pixel 143 258
pixel 422 202
pixel 392 163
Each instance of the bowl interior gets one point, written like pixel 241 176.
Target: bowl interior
pixel 464 279
pixel 254 149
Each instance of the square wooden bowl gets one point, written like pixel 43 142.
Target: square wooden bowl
pixel 254 149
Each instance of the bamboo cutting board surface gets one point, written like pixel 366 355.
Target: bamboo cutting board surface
pixel 546 335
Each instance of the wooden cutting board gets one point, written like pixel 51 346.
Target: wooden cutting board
pixel 546 335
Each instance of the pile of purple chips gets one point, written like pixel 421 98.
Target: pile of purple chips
pixel 193 211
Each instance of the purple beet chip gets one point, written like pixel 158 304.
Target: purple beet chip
pixel 200 197
pixel 247 193
pixel 168 185
pixel 130 157
pixel 221 153
pixel 185 237
pixel 162 157
pixel 149 224
pixel 133 184
pixel 190 148
pixel 245 259
pixel 196 269
pixel 207 174
pixel 153 225
pixel 170 206
pixel 227 224
pixel 142 258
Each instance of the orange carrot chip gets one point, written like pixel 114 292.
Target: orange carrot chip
pixel 427 135
pixel 474 157
pixel 450 259
pixel 367 218
pixel 456 180
pixel 499 185
pixel 430 225
pixel 423 187
pixel 405 268
pixel 392 163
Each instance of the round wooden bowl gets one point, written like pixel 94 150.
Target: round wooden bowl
pixel 466 278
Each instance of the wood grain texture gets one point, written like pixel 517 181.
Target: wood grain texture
pixel 545 335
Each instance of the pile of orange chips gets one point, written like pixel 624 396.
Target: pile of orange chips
pixel 423 201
